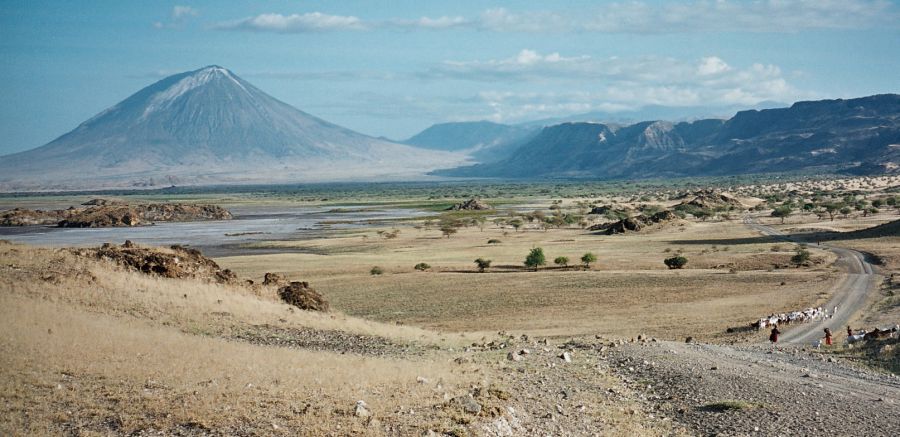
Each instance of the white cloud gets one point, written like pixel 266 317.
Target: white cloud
pixel 615 83
pixel 712 65
pixel 178 17
pixel 629 17
pixel 444 22
pixel 179 12
pixel 294 23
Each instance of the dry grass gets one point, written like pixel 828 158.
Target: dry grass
pixel 88 347
pixel 627 292
pixel 63 368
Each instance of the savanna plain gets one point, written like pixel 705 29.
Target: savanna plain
pixel 568 308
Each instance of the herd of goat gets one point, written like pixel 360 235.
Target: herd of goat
pixel 811 314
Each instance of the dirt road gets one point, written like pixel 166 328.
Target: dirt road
pixel 849 295
pixel 755 390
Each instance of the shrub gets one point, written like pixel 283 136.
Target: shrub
pixel 482 264
pixel 562 261
pixel 800 257
pixel 587 259
pixel 376 271
pixel 447 230
pixel 675 262
pixel 494 241
pixel 422 267
pixel 535 258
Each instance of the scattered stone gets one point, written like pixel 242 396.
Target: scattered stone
pixel 566 357
pixel 512 356
pixel 467 403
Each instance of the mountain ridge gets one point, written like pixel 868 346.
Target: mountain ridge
pixel 860 135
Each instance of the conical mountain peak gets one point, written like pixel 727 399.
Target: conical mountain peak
pixel 210 126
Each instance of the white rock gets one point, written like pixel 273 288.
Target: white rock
pixel 362 410
pixel 566 357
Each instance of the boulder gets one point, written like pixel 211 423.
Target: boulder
pixel 300 295
pixel 276 279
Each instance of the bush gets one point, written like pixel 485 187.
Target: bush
pixel 376 271
pixel 800 257
pixel 494 241
pixel 587 259
pixel 675 262
pixel 482 264
pixel 562 261
pixel 422 267
pixel 535 258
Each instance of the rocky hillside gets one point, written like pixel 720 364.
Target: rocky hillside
pixel 209 126
pixel 855 136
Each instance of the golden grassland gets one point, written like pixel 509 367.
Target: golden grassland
pixel 628 291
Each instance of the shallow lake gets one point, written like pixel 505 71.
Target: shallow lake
pixel 221 237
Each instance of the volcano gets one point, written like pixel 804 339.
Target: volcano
pixel 209 126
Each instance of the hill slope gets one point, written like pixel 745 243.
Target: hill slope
pixel 856 135
pixel 484 140
pixel 209 126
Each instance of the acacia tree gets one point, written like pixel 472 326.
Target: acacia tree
pixel 782 212
pixel 482 264
pixel 447 230
pixel 535 258
pixel 587 259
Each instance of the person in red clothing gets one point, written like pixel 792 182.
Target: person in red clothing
pixel 773 337
pixel 827 337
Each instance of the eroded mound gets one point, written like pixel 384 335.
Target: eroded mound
pixel 301 295
pixel 174 262
pixel 103 213
pixel 634 224
pixel 711 199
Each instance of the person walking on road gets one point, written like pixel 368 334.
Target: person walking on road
pixel 849 332
pixel 827 337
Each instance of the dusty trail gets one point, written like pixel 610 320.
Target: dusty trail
pixel 849 295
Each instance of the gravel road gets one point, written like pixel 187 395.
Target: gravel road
pixel 755 390
pixel 785 392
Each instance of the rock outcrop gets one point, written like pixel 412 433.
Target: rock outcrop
pixel 173 262
pixel 112 214
pixel 470 205
pixel 634 224
pixel 300 295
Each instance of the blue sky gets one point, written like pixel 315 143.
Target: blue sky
pixel 393 68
